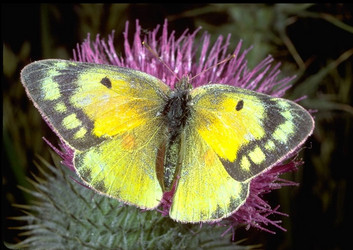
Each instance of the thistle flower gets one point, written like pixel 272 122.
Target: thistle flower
pixel 186 57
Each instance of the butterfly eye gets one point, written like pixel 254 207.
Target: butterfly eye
pixel 240 105
pixel 106 82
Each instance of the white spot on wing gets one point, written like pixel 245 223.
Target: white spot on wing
pixel 249 137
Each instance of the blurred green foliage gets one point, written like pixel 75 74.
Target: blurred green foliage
pixel 313 41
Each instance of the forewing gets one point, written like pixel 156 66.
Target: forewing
pixel 249 131
pixel 88 103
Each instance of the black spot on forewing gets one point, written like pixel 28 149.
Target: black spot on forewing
pixel 106 82
pixel 240 105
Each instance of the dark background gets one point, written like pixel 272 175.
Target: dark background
pixel 312 41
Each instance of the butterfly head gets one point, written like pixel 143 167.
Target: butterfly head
pixel 183 84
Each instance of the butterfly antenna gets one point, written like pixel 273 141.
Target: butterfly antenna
pixel 221 62
pixel 160 59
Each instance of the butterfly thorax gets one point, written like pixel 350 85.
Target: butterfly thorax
pixel 176 113
pixel 177 109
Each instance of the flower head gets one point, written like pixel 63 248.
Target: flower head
pixel 186 57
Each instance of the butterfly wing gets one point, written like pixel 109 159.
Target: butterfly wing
pixel 205 191
pixel 238 134
pixel 109 116
pixel 125 167
pixel 249 131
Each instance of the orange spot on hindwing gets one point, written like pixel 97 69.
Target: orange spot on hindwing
pixel 209 157
pixel 128 142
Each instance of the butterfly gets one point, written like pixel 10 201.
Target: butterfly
pixel 134 138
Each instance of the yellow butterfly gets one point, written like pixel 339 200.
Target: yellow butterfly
pixel 134 138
